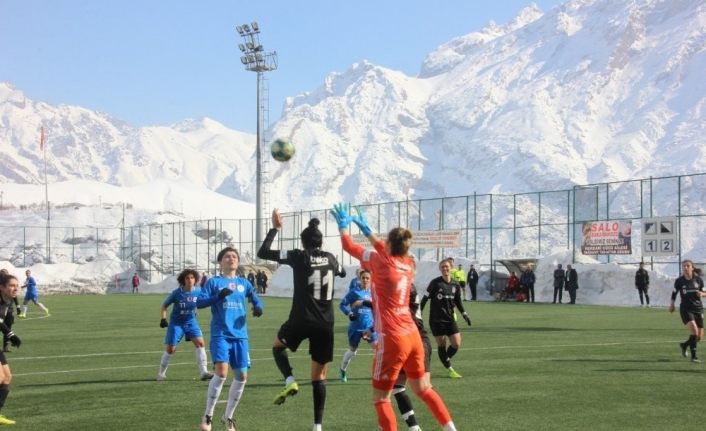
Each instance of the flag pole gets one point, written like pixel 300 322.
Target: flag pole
pixel 43 147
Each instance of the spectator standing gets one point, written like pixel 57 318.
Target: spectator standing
pixel 259 279
pixel 135 283
pixel 642 284
pixel 572 283
pixel 204 279
pixel 559 275
pixel 459 276
pixel 264 282
pixel 251 278
pixel 527 280
pixel 472 281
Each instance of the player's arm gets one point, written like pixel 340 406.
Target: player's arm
pixel 425 298
pixel 339 270
pixel 343 306
pixel 257 304
pixel 209 295
pixel 459 305
pixel 7 332
pixel 265 251
pixel 674 296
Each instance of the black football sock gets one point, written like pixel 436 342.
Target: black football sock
pixel 443 356
pixel 451 351
pixel 404 404
pixel 282 361
pixel 319 389
pixel 4 390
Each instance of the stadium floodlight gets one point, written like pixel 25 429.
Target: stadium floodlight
pixel 255 60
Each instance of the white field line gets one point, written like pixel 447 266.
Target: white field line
pixel 296 357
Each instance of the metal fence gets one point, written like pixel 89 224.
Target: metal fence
pixel 493 227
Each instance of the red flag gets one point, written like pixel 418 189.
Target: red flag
pixel 41 140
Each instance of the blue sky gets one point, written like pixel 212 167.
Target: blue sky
pixel 155 62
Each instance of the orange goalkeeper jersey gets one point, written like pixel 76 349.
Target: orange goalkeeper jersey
pixel 392 284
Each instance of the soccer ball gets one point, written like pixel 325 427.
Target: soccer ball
pixel 282 150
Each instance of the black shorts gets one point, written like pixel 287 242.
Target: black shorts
pixel 443 328
pixel 3 359
pixel 320 339
pixel 688 316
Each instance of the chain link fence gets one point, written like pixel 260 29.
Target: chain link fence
pixel 492 227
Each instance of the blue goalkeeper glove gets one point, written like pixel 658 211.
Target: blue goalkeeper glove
pixel 341 212
pixel 362 222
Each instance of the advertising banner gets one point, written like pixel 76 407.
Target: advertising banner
pixel 607 237
pixel 427 239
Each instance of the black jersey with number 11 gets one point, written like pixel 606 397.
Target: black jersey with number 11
pixel 313 273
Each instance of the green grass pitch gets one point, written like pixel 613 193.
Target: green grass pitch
pixel 92 364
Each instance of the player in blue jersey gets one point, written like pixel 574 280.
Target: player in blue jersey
pixel 182 321
pixel 8 291
pixel 355 283
pixel 357 305
pixel 31 295
pixel 311 315
pixel 227 295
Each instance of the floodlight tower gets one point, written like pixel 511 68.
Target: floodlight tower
pixel 256 60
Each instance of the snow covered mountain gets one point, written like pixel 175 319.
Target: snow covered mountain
pixel 593 90
pixel 88 145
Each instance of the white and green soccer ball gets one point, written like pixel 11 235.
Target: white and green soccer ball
pixel 282 150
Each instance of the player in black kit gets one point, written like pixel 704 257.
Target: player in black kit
pixel 311 315
pixel 690 288
pixel 8 291
pixel 445 294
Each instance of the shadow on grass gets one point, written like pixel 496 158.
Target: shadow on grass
pixel 642 370
pixel 521 329
pixel 640 361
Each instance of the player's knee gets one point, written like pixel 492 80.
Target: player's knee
pixel 279 352
pixel 241 375
pixel 398 389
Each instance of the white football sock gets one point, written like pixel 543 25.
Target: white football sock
pixel 234 394
pixel 214 392
pixel 201 359
pixel 164 363
pixel 347 357
pixel 450 426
